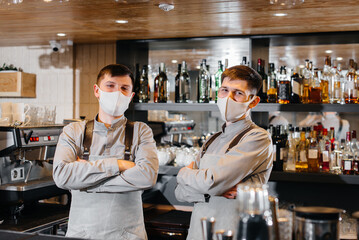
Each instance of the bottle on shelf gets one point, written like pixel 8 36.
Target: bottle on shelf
pixel 342 84
pixel 326 77
pixel 355 149
pixel 325 152
pixel 186 83
pixel 291 150
pixel 144 91
pixel 156 87
pixel 301 164
pixel 336 159
pixel 272 84
pixel 348 156
pixel 313 153
pixel 210 85
pixel 283 92
pixel 315 89
pixel 351 93
pixel 261 71
pixel 335 85
pixel 296 82
pixel 307 76
pixel 244 61
pixel 226 64
pixel 279 145
pixel 178 85
pixel 218 78
pixel 203 83
pixel 161 85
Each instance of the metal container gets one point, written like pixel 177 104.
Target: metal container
pixel 317 223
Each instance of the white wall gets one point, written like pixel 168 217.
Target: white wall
pixel 61 80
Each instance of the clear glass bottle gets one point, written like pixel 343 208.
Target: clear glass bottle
pixel 307 76
pixel 351 93
pixel 326 77
pixel 144 86
pixel 302 162
pixel 218 78
pixel 313 153
pixel 272 84
pixel 343 84
pixel 336 159
pixel 283 92
pixel 348 156
pixel 203 83
pixel 315 89
pixel 355 150
pixel 291 153
pixel 335 86
pixel 325 151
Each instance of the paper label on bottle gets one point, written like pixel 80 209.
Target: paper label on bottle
pixel 275 152
pixel 348 165
pixel 350 85
pixel 296 88
pixel 312 153
pixel 302 156
pixel 325 156
pixel 337 93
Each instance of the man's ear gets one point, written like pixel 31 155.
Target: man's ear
pixel 255 102
pixel 96 91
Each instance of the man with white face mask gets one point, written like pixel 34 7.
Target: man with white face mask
pixel 122 161
pixel 242 152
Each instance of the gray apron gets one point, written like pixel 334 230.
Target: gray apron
pixel 106 215
pixel 224 210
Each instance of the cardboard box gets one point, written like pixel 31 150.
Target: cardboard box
pixel 17 84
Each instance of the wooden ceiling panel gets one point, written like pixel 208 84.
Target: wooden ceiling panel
pixel 37 22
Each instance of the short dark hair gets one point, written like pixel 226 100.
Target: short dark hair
pixel 115 70
pixel 242 72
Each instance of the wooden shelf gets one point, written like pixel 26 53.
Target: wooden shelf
pixel 289 176
pixel 262 107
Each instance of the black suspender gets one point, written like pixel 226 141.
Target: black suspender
pixel 233 143
pixel 88 133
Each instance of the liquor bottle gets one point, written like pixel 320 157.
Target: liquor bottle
pixel 162 84
pixel 348 157
pixel 355 150
pixel 244 61
pixel 136 87
pixel 326 77
pixel 296 82
pixel 226 64
pixel 262 93
pixel 336 159
pixel 342 84
pixel 278 145
pixel 218 78
pixel 351 93
pixel 272 84
pixel 283 91
pixel 144 86
pixel 313 153
pixel 291 150
pixel 156 87
pixel 315 90
pixel 203 83
pixel 335 85
pixel 211 84
pixel 325 151
pixel 307 76
pixel 178 86
pixel 302 162
pixel 186 83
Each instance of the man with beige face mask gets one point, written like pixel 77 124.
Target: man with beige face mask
pixel 242 152
pixel 106 163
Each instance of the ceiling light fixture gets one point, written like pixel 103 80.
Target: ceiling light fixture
pixel 166 6
pixel 339 58
pixel 280 14
pixel 61 34
pixel 174 61
pixel 10 2
pixel 121 21
pixel 286 2
pixel 328 51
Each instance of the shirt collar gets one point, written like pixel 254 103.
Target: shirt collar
pixel 237 126
pixel 118 122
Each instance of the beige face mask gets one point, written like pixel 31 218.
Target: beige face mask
pixel 114 103
pixel 231 110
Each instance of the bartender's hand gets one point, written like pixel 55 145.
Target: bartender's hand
pixel 124 165
pixel 231 193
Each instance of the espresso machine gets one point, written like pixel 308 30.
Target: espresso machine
pixel 26 156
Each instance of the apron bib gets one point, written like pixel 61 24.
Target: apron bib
pixel 106 215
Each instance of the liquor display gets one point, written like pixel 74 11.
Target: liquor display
pixel 218 78
pixel 314 150
pixel 204 80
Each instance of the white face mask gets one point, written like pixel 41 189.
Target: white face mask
pixel 232 110
pixel 114 103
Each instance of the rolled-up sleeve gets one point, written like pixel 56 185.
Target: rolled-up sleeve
pixel 74 175
pixel 254 154
pixel 143 175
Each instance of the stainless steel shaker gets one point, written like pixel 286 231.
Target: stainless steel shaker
pixel 207 227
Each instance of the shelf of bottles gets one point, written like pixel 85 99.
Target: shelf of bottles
pixel 304 90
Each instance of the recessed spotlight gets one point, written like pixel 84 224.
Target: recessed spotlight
pixel 301 66
pixel 166 6
pixel 198 67
pixel 47 1
pixel 328 51
pixel 174 61
pixel 121 21
pixel 61 34
pixel 280 14
pixel 339 58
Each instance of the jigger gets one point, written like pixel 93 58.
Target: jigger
pixel 207 227
pixel 224 235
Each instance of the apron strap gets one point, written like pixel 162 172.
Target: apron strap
pixel 87 141
pixel 128 138
pixel 207 143
pixel 238 138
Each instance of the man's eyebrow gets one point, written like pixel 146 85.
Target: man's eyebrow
pixel 110 82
